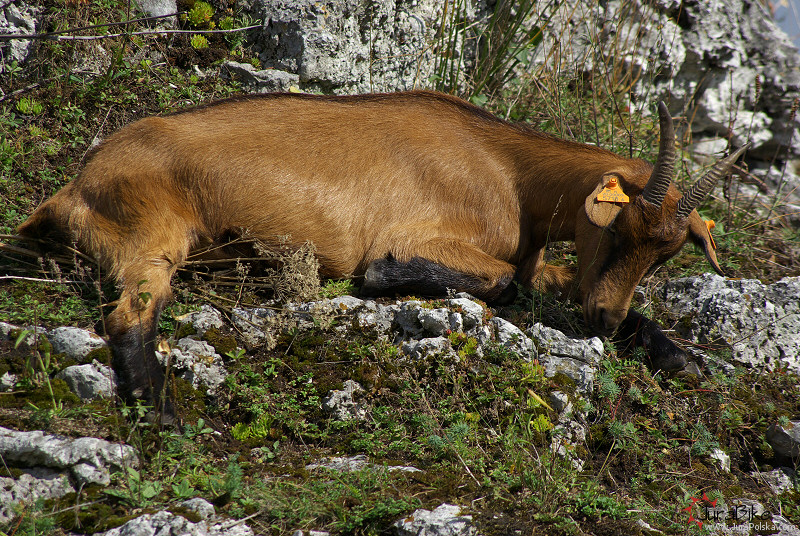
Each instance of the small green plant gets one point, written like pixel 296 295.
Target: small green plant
pixel 199 42
pixel 28 106
pixel 41 360
pixel 258 429
pixel 334 288
pixel 704 440
pixel 464 345
pixel 184 489
pixel 137 491
pixel 200 15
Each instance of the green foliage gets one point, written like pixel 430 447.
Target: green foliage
pixel 199 41
pixel 200 15
pixel 29 106
pixel 703 440
pixel 137 490
pixel 334 288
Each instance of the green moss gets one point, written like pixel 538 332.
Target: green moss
pixel 190 515
pixel 185 330
pixel 41 397
pixel 101 355
pixel 564 383
pixel 191 402
pixel 223 344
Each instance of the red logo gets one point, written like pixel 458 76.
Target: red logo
pixel 690 509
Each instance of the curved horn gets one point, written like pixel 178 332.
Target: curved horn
pixel 661 178
pixel 699 190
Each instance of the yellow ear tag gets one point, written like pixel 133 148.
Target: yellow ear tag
pixel 612 193
pixel 710 225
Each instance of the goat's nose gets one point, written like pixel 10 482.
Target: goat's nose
pixel 611 319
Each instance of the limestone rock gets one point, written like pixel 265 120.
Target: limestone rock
pixel 334 45
pixel 205 319
pixel 76 343
pixel 428 347
pixel 342 403
pixel 559 353
pixel 446 520
pixel 779 480
pixel 197 362
pixel 31 485
pixel 167 523
pixel 89 459
pixel 17 18
pixel 785 440
pixel 760 323
pixel 90 381
pixel 512 337
pixel 159 8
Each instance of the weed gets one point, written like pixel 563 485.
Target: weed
pixel 199 41
pixel 200 15
pixel 334 288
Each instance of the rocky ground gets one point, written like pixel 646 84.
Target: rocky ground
pixel 756 322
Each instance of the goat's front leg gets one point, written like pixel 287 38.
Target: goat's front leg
pixel 439 265
pixel 635 331
pixel 662 354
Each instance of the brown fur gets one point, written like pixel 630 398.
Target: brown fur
pixel 366 177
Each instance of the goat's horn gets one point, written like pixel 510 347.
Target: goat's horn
pixel 659 181
pixel 699 190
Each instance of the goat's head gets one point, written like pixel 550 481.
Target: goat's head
pixel 620 239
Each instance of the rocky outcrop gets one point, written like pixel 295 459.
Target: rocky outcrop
pixel 16 18
pixel 175 525
pixel 759 323
pixel 725 64
pixel 52 466
pixel 346 46
pixel 445 520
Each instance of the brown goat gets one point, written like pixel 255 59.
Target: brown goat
pixel 418 192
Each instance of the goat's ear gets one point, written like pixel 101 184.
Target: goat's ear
pixel 700 233
pixel 604 203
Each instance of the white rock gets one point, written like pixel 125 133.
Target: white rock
pixel 201 507
pixel 90 381
pixel 33 484
pixel 205 319
pixel 342 404
pixel 89 459
pixel 168 524
pixel 435 322
pixel 723 459
pixel 760 323
pixel 779 480
pixel 428 347
pixel 76 343
pixel 471 312
pixel 8 381
pixel 446 520
pixel 197 362
pixel 512 337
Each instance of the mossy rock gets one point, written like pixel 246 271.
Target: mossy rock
pixel 223 344
pixel 101 355
pixel 186 330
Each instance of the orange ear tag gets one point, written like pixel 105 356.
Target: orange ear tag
pixel 612 193
pixel 710 225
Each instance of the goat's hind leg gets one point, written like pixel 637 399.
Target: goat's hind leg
pixel 132 328
pixel 439 266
